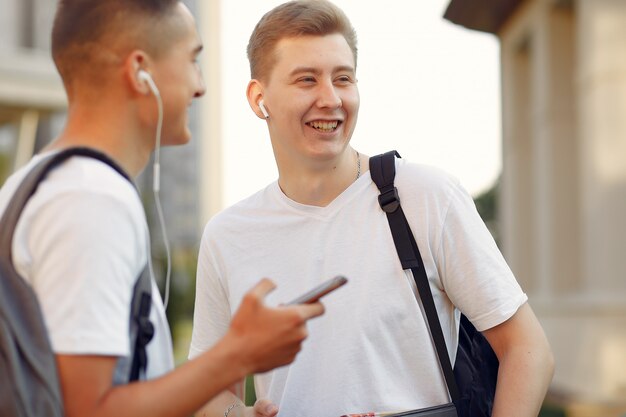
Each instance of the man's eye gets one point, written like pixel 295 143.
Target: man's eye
pixel 344 79
pixel 307 79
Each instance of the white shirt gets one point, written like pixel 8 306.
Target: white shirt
pixel 81 242
pixel 371 351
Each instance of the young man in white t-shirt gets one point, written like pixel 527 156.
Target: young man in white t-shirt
pixel 372 350
pixel 82 240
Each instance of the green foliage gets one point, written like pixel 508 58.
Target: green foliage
pixel 5 167
pixel 182 285
pixel 181 297
pixel 551 411
pixel 487 206
pixel 250 393
pixel 487 203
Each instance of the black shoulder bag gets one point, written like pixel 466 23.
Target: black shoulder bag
pixel 28 373
pixel 472 383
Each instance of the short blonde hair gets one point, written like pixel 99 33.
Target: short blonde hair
pixel 292 19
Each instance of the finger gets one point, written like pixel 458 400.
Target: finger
pixel 265 408
pixel 308 311
pixel 262 288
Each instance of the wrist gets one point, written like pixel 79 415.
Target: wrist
pixel 227 358
pixel 237 356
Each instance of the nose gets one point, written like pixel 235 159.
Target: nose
pixel 201 87
pixel 328 96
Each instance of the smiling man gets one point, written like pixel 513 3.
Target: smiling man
pixel 372 351
pixel 312 101
pixel 82 240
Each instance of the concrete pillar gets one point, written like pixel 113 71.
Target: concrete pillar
pixel 564 227
pixel 27 134
pixel 541 149
pixel 211 158
pixel 518 211
pixel 601 87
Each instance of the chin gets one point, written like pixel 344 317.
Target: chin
pixel 327 152
pixel 180 139
pixel 185 140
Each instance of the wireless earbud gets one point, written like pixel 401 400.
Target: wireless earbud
pixel 144 76
pixel 263 109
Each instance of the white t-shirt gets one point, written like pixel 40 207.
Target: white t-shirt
pixel 371 351
pixel 81 243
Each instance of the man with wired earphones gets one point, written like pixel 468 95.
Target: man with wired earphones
pixel 130 72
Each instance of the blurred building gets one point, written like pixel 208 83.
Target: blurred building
pixel 32 112
pixel 563 190
pixel 31 96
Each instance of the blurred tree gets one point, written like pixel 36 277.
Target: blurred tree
pixel 5 167
pixel 487 206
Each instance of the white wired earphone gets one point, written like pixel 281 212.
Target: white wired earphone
pixel 156 184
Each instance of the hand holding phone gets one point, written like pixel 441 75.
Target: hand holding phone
pixel 321 290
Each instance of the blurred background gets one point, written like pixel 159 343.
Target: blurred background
pixel 523 100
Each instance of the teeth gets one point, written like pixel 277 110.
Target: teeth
pixel 324 126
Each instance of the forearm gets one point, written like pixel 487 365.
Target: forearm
pixel 181 392
pixel 523 379
pixel 259 339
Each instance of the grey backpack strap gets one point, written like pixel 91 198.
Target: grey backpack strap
pixel 142 301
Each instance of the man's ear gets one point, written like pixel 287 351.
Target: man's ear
pixel 254 93
pixel 135 62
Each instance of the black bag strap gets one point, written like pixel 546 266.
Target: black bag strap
pixel 383 172
pixel 140 317
pixel 140 308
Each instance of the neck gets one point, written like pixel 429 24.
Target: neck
pixel 321 184
pixel 115 133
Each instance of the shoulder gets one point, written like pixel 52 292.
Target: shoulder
pixel 86 182
pixel 78 177
pixel 86 206
pixel 239 215
pixel 427 181
pixel 83 173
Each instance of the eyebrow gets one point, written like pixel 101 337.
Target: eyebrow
pixel 316 71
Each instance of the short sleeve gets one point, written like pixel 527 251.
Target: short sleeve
pixel 88 252
pixel 474 273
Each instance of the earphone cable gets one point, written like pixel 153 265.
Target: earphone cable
pixel 167 249
pixel 156 186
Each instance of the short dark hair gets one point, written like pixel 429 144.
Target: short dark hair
pixel 84 29
pixel 292 19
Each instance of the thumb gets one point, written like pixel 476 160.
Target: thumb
pixel 262 288
pixel 265 408
pixel 309 311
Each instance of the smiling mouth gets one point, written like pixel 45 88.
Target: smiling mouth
pixel 325 126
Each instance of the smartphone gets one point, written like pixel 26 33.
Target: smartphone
pixel 320 291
